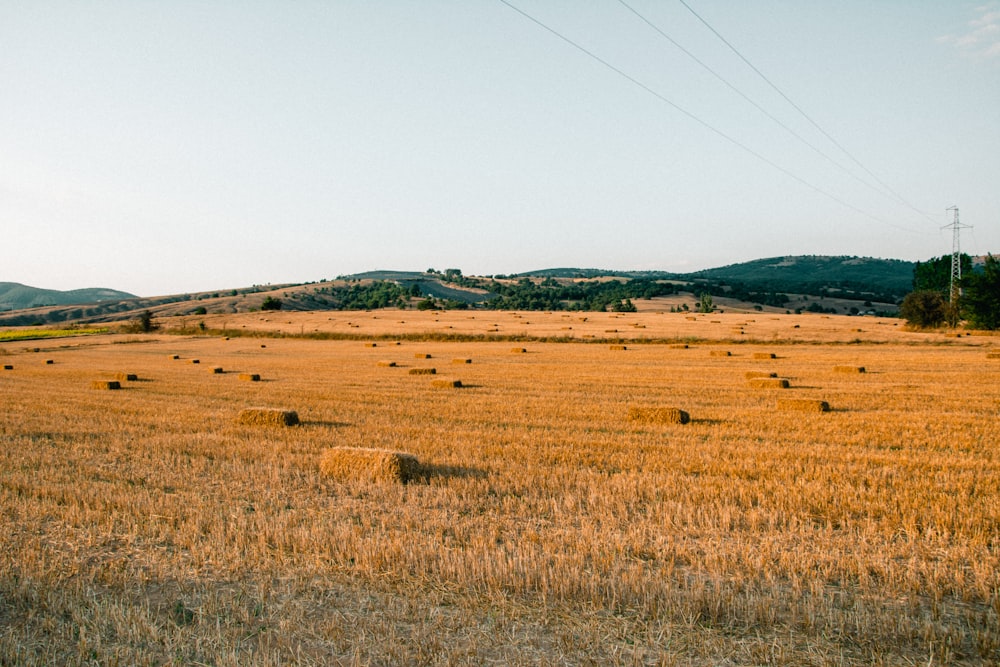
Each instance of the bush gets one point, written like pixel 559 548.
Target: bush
pixel 924 309
pixel 270 303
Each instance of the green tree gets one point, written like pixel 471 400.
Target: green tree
pixel 270 303
pixel 935 274
pixel 980 300
pixel 924 309
pixel 705 304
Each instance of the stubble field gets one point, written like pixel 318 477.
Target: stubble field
pixel 146 526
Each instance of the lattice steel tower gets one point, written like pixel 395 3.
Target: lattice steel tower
pixel 956 256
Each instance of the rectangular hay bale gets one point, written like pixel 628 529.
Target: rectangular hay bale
pixel 105 385
pixel 249 377
pixel 387 364
pixel 803 405
pixel 849 369
pixel 769 383
pixel 422 371
pixel 372 465
pixel 659 415
pixel 126 377
pixel 267 417
pixel 764 355
pixel 446 384
pixel 754 375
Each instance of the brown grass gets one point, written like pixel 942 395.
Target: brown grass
pixel 803 404
pixel 267 417
pixel 368 465
pixel 659 415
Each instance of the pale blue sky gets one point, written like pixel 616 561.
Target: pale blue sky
pixel 159 147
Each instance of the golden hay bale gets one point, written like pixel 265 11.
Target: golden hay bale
pixel 373 465
pixel 679 346
pixel 422 371
pixel 126 377
pixel 196 361
pixel 803 405
pixel 421 355
pixel 49 362
pixel 8 367
pixel 849 369
pixel 250 377
pixel 267 417
pixel 371 345
pixel 659 415
pixel 105 384
pixel 462 360
pixel 175 356
pixel 518 350
pixel 769 383
pixel 446 384
pixel 387 364
pixel 216 370
pixel 993 355
pixel 617 347
pixel 764 355
pixel 721 353
pixel 753 375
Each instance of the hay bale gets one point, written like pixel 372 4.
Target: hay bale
pixel 371 465
pixel 422 371
pixel 769 383
pixel 617 347
pixel 49 362
pixel 679 346
pixel 446 384
pixel 518 350
pixel 217 370
pixel 421 355
pixel 753 375
pixel 764 355
pixel 387 364
pixel 849 369
pixel 462 360
pixel 8 367
pixel 249 377
pixel 659 415
pixel 371 345
pixel 126 377
pixel 803 405
pixel 105 384
pixel 196 361
pixel 175 356
pixel 993 355
pixel 721 353
pixel 267 417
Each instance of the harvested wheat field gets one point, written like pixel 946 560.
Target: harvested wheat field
pixel 545 527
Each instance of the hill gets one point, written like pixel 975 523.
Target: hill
pixel 15 296
pixel 820 275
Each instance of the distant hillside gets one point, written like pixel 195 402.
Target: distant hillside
pixel 15 296
pixel 815 274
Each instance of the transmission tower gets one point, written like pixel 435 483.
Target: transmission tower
pixel 956 256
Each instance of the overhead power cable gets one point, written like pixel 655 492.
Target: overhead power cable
pixel 698 120
pixel 795 106
pixel 764 111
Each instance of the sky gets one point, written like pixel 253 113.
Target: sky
pixel 195 145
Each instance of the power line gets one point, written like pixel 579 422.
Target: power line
pixel 764 111
pixel 795 106
pixel 698 120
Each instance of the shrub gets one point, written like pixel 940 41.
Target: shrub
pixel 924 309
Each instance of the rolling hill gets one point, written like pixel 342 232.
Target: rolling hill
pixel 15 296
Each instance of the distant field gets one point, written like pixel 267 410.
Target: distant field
pixel 546 525
pixel 14 334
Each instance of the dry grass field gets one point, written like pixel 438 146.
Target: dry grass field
pixel 149 525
